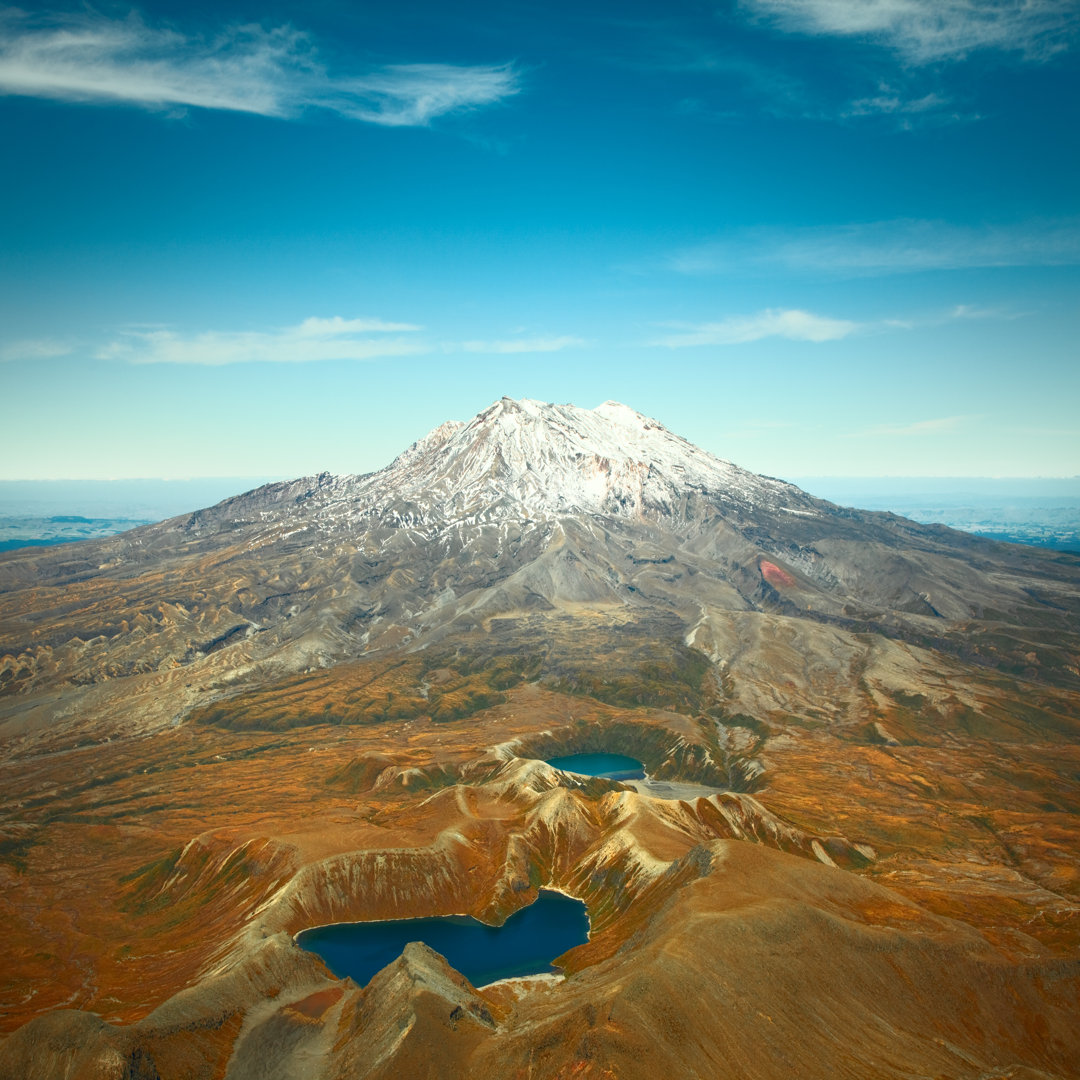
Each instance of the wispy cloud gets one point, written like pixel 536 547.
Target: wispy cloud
pixel 768 85
pixel 85 57
pixel 926 31
pixel 906 110
pixel 973 311
pixel 410 95
pixel 312 340
pixel 518 345
pixel 886 247
pixel 34 349
pixel 775 322
pixel 916 428
pixel 337 326
pixel 943 316
pixel 906 107
pixel 889 100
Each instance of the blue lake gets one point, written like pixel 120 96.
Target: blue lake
pixel 524 945
pixel 609 766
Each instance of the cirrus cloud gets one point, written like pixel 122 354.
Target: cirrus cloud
pixel 885 247
pixel 336 326
pixel 926 31
pixel 520 345
pixel 312 340
pixel 89 58
pixel 34 349
pixel 775 322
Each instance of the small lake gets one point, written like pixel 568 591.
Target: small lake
pixel 524 945
pixel 609 766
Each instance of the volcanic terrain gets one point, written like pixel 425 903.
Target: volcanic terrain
pixel 331 700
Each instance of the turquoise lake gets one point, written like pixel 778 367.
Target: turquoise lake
pixel 524 945
pixel 609 766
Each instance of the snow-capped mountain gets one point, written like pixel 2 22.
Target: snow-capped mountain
pixel 525 461
pixel 540 459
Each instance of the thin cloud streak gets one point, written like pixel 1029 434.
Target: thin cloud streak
pixel 917 428
pixel 928 31
pixel 744 85
pixel 34 349
pixel 336 325
pixel 519 345
pixel 92 59
pixel 410 95
pixel 774 322
pixel 893 102
pixel 311 341
pixel 907 112
pixel 973 311
pixel 957 313
pixel 885 247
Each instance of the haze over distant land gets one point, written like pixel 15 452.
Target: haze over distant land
pixel 1029 510
pixel 57 511
pixel 147 498
pixel 812 237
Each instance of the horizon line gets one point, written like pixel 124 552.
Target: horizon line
pixel 274 478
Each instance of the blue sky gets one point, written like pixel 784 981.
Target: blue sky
pixel 817 237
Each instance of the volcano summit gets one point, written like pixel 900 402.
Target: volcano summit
pixel 332 699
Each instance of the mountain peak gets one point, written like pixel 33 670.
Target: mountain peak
pixel 622 414
pixel 534 459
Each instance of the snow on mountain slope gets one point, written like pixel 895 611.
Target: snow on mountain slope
pixel 526 460
pixel 545 459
